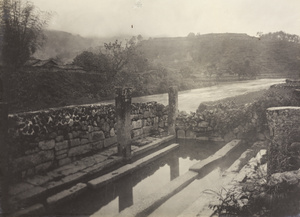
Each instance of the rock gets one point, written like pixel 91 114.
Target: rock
pixel 137 133
pixel 105 127
pixel 290 178
pixel 61 145
pixel 146 114
pixel 295 146
pixel 84 141
pixel 90 128
pixel 47 145
pixel 59 138
pixel 97 136
pixel 110 141
pixel 137 124
pixel 112 132
pixel 275 179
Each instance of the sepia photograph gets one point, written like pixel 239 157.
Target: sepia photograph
pixel 159 108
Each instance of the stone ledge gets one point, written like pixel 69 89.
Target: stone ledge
pixel 35 210
pixel 66 195
pixel 101 181
pixel 152 145
pixel 198 167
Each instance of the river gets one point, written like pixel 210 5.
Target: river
pixel 189 100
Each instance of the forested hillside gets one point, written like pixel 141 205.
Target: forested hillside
pixel 149 66
pixel 210 54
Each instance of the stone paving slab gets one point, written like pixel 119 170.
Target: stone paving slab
pixel 40 185
pixel 216 156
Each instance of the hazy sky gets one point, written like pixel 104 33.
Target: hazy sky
pixel 172 17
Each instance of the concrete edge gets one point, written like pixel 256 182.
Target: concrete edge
pixel 128 168
pixel 146 206
pixel 152 145
pixel 225 150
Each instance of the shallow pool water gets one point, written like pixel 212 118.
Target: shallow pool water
pixel 123 193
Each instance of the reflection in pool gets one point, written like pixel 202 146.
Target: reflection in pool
pixel 115 197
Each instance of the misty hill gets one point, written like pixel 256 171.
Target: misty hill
pixel 66 46
pixel 226 52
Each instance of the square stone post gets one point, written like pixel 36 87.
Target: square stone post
pixel 123 112
pixel 4 154
pixel 284 125
pixel 173 109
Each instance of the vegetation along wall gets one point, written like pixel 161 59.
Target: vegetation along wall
pixel 230 120
pixel 43 140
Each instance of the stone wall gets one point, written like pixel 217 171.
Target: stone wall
pixel 43 140
pixel 284 148
pixel 225 123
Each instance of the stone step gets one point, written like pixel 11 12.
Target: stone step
pixel 229 147
pixel 25 193
pixel 66 195
pixel 128 168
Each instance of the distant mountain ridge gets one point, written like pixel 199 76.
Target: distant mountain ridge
pixel 220 50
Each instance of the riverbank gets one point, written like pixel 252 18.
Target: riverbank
pixel 240 99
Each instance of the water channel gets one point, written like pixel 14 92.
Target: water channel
pixel 113 198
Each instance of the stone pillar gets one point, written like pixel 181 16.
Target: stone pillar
pixel 4 154
pixel 173 110
pixel 284 125
pixel 123 111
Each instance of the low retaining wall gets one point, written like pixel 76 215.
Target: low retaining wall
pixel 44 140
pixel 216 123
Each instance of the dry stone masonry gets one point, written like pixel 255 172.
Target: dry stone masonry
pixel 284 148
pixel 44 140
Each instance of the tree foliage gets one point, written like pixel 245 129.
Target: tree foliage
pixel 114 58
pixel 22 29
pixel 280 36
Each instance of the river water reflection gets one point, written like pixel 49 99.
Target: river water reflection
pixel 123 193
pixel 189 100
